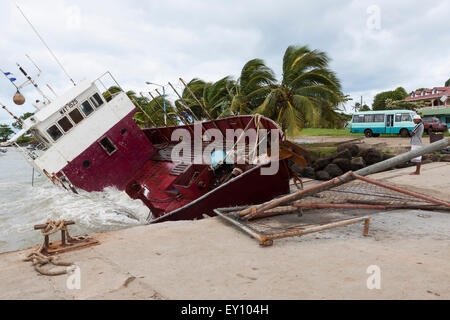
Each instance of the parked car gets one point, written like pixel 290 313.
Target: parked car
pixel 432 124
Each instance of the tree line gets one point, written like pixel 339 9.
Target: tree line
pixel 6 131
pixel 394 99
pixel 307 94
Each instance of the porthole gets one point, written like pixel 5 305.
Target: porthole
pixel 123 131
pixel 86 164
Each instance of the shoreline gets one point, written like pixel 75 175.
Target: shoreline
pixel 210 259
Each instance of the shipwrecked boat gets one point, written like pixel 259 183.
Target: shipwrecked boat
pixel 88 142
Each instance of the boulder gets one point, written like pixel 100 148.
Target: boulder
pixel 353 148
pixel 308 172
pixel 357 163
pixel 343 163
pixel 387 156
pixel 330 156
pixel 322 175
pixel 294 167
pixel 372 156
pixel 319 164
pixel 333 170
pixel 346 154
pixel 436 157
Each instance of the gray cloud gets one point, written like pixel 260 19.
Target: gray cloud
pixel 160 41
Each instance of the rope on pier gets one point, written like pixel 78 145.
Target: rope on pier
pixel 39 259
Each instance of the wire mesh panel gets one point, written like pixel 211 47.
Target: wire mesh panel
pixel 340 205
pixel 362 192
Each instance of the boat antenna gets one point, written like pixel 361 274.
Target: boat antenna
pixel 53 91
pixel 29 58
pixel 32 82
pixel 11 114
pixel 45 44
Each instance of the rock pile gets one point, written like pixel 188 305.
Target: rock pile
pixel 350 157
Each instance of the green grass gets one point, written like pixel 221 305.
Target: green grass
pixel 342 133
pixel 328 132
pixel 323 151
pixel 317 145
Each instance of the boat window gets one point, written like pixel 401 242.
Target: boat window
pixel 108 146
pixel 54 132
pixel 86 108
pixel 76 116
pixel 65 124
pixel 96 100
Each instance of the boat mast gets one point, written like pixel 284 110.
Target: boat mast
pixel 45 44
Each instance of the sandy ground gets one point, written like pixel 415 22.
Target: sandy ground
pixel 209 259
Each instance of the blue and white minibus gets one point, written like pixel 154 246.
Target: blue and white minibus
pixel 374 123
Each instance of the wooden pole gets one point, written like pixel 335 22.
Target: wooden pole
pixel 184 102
pixel 407 192
pixel 181 117
pixel 153 110
pixel 142 109
pixel 195 98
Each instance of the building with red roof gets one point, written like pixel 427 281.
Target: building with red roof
pixel 438 100
pixel 433 96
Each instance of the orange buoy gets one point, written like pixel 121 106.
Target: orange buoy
pixel 19 99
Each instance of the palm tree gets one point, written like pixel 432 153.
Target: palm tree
pixel 196 86
pixel 217 99
pixel 252 87
pixel 308 94
pixel 213 96
pixel 153 113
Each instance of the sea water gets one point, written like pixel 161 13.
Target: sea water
pixel 23 205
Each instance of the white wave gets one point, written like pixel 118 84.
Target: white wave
pixel 22 206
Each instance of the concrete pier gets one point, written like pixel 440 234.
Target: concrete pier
pixel 210 259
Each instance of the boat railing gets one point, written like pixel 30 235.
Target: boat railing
pixel 110 81
pixel 33 154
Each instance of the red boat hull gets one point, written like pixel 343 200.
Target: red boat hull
pixel 137 167
pixel 250 188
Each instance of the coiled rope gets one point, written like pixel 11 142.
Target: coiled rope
pixel 39 259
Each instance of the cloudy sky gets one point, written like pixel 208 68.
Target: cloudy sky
pixel 374 45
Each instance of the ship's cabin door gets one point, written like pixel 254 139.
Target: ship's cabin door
pixel 389 123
